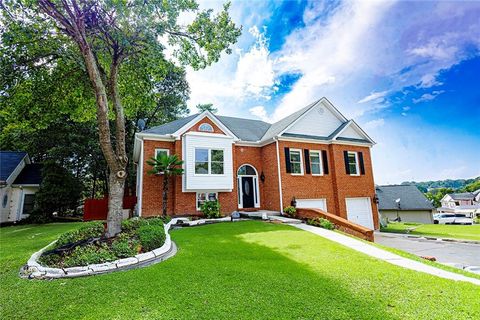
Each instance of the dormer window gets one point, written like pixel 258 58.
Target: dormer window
pixel 205 127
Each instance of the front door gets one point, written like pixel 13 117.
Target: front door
pixel 247 192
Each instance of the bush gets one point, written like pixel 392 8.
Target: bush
pixel 291 211
pixel 211 209
pixel 86 231
pixel 130 225
pixel 151 237
pixel 124 246
pixel 90 254
pixel 321 222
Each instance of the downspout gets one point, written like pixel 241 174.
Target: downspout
pixel 140 188
pixel 279 176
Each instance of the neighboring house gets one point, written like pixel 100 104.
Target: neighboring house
pixel 19 181
pixel 465 203
pixel 315 156
pixel 405 203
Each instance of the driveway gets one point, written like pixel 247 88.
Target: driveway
pixel 452 253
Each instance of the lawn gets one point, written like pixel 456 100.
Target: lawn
pixel 244 270
pixel 437 230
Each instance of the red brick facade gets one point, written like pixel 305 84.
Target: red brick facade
pixel 334 186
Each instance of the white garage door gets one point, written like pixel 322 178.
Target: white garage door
pixel 312 204
pixel 359 211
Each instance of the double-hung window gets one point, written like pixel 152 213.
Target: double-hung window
pixel 316 163
pixel 209 161
pixel 296 164
pixel 353 163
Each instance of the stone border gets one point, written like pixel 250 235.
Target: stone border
pixel 33 270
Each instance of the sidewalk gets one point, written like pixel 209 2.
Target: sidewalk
pixel 384 255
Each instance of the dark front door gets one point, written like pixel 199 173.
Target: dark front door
pixel 247 192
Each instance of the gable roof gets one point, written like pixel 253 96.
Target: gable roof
pixel 259 131
pixel 462 196
pixel 410 198
pixel 31 174
pixel 9 160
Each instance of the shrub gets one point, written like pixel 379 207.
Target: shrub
pixel 89 254
pixel 130 225
pixel 321 222
pixel 291 211
pixel 123 246
pixel 151 237
pixel 211 209
pixel 156 221
pixel 86 231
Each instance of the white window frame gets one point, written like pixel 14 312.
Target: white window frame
pixel 157 150
pixel 320 163
pixel 206 192
pixel 209 161
pixel 300 151
pixel 357 167
pixel 205 124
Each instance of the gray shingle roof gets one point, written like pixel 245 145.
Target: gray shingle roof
pixel 462 196
pixel 410 198
pixel 170 127
pixel 245 129
pixel 253 130
pixel 9 160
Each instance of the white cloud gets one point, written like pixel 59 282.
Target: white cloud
pixel 428 96
pixel 406 108
pixel 373 124
pixel 260 112
pixel 429 80
pixel 374 96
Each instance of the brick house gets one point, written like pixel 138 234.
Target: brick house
pixel 315 156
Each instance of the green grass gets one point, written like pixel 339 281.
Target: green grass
pixel 244 270
pixel 466 232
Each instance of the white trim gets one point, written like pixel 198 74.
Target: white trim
pixel 357 128
pixel 140 190
pixel 18 169
pixel 256 186
pixel 300 151
pixel 357 165
pixel 21 185
pixel 279 177
pixel 201 116
pixel 320 163
pixel 206 134
pixel 161 149
pixel 325 142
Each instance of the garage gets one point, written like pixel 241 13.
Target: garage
pixel 359 211
pixel 312 204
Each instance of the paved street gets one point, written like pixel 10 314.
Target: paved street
pixel 466 254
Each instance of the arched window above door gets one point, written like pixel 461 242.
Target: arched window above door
pixel 246 170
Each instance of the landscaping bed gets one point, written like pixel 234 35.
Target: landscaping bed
pixel 87 245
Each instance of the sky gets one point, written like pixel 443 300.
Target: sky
pixel 408 72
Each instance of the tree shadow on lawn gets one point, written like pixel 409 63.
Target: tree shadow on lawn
pixel 245 270
pixel 219 272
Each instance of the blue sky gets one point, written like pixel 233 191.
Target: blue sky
pixel 407 72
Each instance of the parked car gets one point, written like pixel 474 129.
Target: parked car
pixel 450 218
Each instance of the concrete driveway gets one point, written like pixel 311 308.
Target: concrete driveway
pixel 452 253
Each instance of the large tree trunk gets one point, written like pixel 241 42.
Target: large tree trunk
pixel 115 204
pixel 165 196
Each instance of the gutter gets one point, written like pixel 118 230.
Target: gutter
pixel 279 175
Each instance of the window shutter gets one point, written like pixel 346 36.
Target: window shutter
pixel 325 161
pixel 287 160
pixel 362 166
pixel 307 160
pixel 347 167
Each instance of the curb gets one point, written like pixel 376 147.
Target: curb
pixel 403 235
pixel 33 270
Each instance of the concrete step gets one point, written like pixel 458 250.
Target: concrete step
pixel 283 219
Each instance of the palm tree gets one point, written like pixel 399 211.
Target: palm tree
pixel 166 166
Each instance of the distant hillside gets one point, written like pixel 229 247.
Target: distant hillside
pixel 453 184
